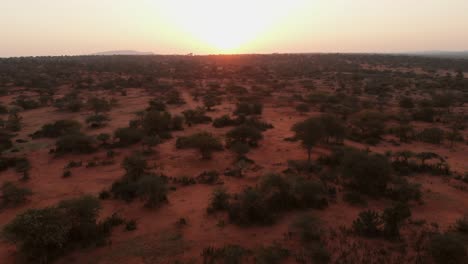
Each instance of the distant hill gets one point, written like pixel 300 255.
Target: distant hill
pixel 443 54
pixel 122 52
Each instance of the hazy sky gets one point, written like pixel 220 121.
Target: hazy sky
pixel 70 27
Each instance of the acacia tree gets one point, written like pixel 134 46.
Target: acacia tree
pixel 210 100
pixel 309 132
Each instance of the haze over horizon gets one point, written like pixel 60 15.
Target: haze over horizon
pixel 54 27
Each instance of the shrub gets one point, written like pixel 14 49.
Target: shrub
pixel 5 141
pixel 211 100
pixel 42 235
pixel 156 105
pixel 196 116
pixel 406 102
pixel 13 195
pixel 70 102
pixel 131 225
pixel 75 143
pixel 273 254
pixel 333 128
pixel 157 123
pixel 104 195
pixel 250 209
pixel 25 103
pixel 177 123
pixel 244 134
pixel 354 198
pixel 66 174
pixel 393 218
pixel 425 114
pixel 13 123
pixel 208 177
pixel 97 120
pixel 153 189
pixel 462 225
pixel 137 182
pixel 302 108
pixel 368 224
pixel 404 191
pixel 22 165
pixel 135 165
pixel 224 121
pixel 432 135
pixel 366 173
pixel 219 200
pixel 231 254
pixel 308 229
pixel 369 126
pixel 128 136
pixel 103 137
pixel 448 248
pixel 58 128
pixel 240 149
pixel 249 109
pixel 205 142
pixel 308 193
pixel 99 105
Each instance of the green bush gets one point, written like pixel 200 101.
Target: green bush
pixel 368 224
pixel 273 195
pixel 368 126
pixel 244 134
pixel 196 116
pixel 393 218
pixel 208 177
pixel 75 143
pixel 432 135
pixel 131 225
pixel 5 141
pixel 462 225
pixel 307 228
pixel 205 142
pixel 249 109
pixel 273 254
pixel 156 123
pixel 13 195
pixel 128 136
pixel 425 114
pixel 97 120
pixel 250 209
pixel 219 200
pixel 139 183
pixel 152 189
pixel 354 198
pixel 230 254
pixel 224 121
pixel 302 108
pixel 366 173
pixel 406 102
pixel 42 235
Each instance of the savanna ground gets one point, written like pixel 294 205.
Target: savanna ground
pixel 382 104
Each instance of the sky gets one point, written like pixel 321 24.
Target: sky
pixel 76 27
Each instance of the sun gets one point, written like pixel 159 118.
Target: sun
pixel 223 25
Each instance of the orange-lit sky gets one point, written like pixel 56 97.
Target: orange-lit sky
pixel 71 27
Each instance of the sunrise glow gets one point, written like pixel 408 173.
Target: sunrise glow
pixel 226 26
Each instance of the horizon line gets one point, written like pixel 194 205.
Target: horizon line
pixel 97 54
